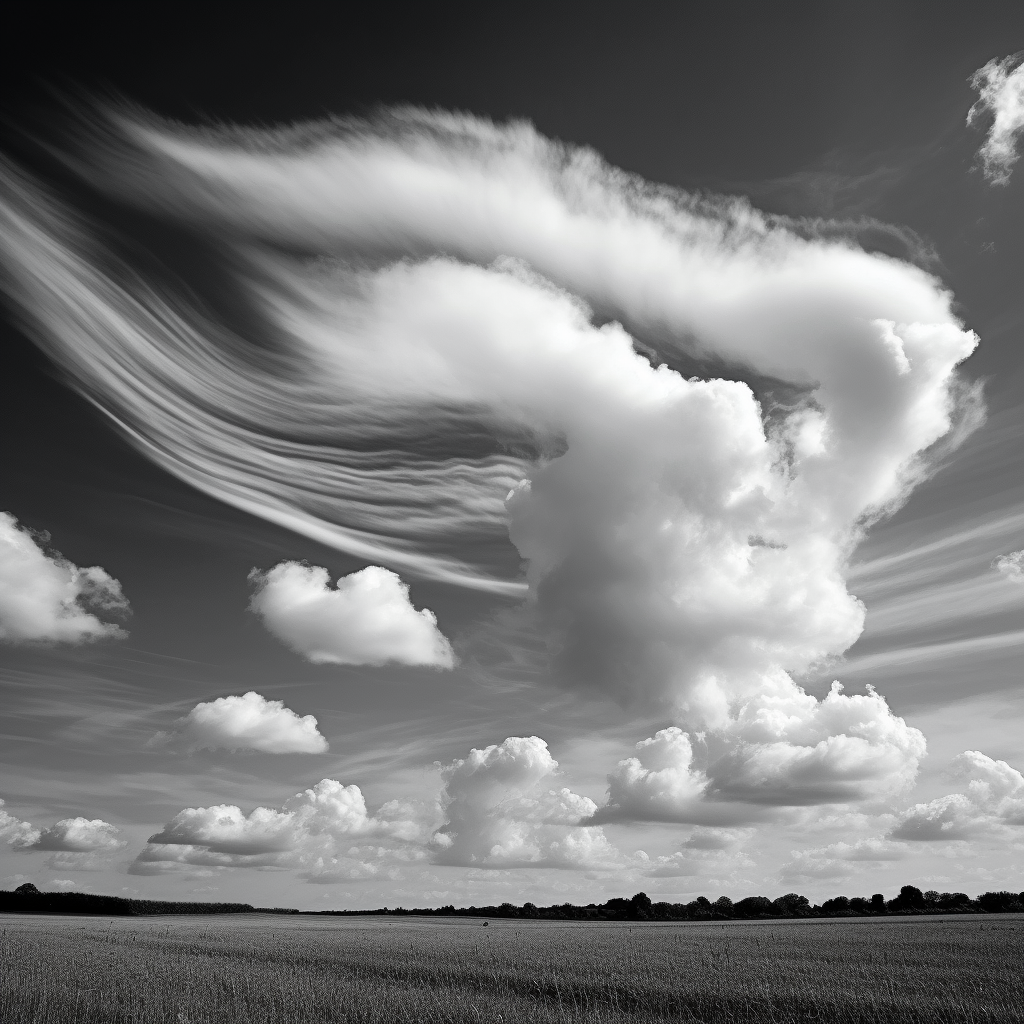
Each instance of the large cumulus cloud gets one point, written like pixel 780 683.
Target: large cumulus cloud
pixel 44 597
pixel 682 413
pixel 503 808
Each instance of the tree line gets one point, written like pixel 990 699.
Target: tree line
pixel 911 900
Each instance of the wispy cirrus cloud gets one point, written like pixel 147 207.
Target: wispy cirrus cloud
pixel 1000 87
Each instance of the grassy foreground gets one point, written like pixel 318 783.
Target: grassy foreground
pixel 256 970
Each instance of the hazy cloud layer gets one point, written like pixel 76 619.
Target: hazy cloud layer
pixel 1000 86
pixel 366 619
pixel 44 597
pixel 249 722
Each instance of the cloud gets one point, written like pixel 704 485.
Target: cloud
pixel 80 835
pixel 367 619
pixel 249 722
pixel 783 748
pixel 1011 566
pixel 1000 87
pixel 311 831
pixel 502 809
pixel 44 597
pixel 683 413
pixel 993 801
pixel 15 832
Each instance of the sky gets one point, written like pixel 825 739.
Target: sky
pixel 495 456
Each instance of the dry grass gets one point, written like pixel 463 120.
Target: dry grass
pixel 256 970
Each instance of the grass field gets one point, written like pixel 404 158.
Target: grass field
pixel 256 969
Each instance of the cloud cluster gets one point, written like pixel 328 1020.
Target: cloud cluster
pixel 681 412
pixel 249 722
pixel 840 859
pixel 366 619
pixel 44 597
pixel 1000 86
pixel 992 802
pixel 783 748
pixel 502 808
pixel 80 835
pixel 313 831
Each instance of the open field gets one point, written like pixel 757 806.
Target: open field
pixel 256 970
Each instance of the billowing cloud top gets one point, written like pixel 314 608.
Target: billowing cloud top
pixel 44 597
pixel 367 619
pixel 79 835
pixel 682 413
pixel 1000 85
pixel 249 722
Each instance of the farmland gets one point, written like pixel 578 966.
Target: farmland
pixel 260 969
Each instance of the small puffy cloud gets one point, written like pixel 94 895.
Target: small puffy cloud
pixel 80 835
pixel 1000 86
pixel 15 832
pixel 783 748
pixel 707 850
pixel 249 722
pixel 1011 566
pixel 312 831
pixel 502 810
pixel 63 883
pixel 992 800
pixel 44 597
pixel 367 619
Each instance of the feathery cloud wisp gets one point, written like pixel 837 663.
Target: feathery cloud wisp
pixel 1000 86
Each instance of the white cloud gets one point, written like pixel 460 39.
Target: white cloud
pixel 502 809
pixel 1011 566
pixel 63 883
pixel 783 748
pixel 17 833
pixel 841 859
pixel 686 534
pixel 80 835
pixel 311 831
pixel 1000 86
pixel 47 598
pixel 992 802
pixel 367 619
pixel 249 722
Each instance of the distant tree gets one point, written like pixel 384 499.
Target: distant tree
pixel 877 903
pixel 27 889
pixel 723 906
pixel 836 905
pixel 754 906
pixel 640 906
pixel 529 910
pixel 932 897
pixel 910 898
pixel 859 904
pixel 999 902
pixel 792 905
